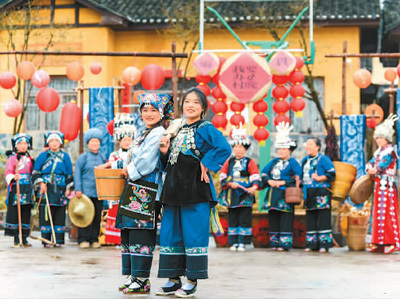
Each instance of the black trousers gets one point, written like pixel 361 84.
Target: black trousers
pixel 58 216
pixel 11 225
pixel 319 229
pixel 91 233
pixel 240 229
pixel 281 228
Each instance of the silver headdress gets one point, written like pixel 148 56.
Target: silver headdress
pixel 124 126
pixel 282 139
pixel 239 137
pixel 385 129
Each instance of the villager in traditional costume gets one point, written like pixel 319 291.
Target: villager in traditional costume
pixel 18 170
pixel 239 178
pixel 52 175
pixel 139 206
pixel 318 173
pixel 187 196
pixel 278 174
pixel 85 183
pixel 124 133
pixel 385 212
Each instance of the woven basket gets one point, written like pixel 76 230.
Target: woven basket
pixel 356 233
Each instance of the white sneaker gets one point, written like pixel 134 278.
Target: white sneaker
pixel 234 248
pixel 241 247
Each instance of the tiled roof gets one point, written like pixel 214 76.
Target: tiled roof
pixel 391 14
pixel 153 11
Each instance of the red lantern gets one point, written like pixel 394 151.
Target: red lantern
pixel 219 107
pixel 260 106
pixel 70 121
pixel 75 71
pixel 297 91
pixel 40 79
pixel 220 121
pixel 261 134
pixel 237 119
pixel 88 118
pixel 281 118
pixel 131 75
pixel 281 107
pixel 135 96
pixel 390 75
pixel 371 123
pixel 217 93
pixel 299 62
pixel 152 77
pixel 296 77
pixel 260 120
pixel 7 80
pixel 204 88
pixel 298 105
pixel 398 70
pixel 215 79
pixel 237 107
pixel 25 70
pixel 13 108
pixel 95 68
pixel 202 79
pixel 280 92
pixel 48 99
pixel 362 78
pixel 110 127
pixel 279 80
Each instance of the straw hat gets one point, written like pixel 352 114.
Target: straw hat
pixel 81 211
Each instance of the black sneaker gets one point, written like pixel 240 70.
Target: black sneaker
pixel 166 291
pixel 138 287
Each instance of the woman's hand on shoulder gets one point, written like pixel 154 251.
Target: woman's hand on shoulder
pixel 164 144
pixel 104 166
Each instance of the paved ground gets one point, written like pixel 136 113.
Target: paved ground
pixel 69 272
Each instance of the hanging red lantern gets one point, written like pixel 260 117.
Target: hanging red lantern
pixel 131 75
pixel 299 62
pixel 25 70
pixel 215 79
pixel 362 78
pixel 88 117
pixel 298 105
pixel 70 121
pixel 237 119
pixel 261 134
pixel 95 68
pixel 237 107
pixel 296 77
pixel 7 80
pixel 398 70
pixel 279 80
pixel 297 90
pixel 371 123
pixel 136 95
pixel 153 77
pixel 13 108
pixel 75 71
pixel 260 120
pixel 47 99
pixel 217 93
pixel 281 107
pixel 40 79
pixel 281 118
pixel 280 92
pixel 219 107
pixel 202 79
pixel 220 121
pixel 204 88
pixel 110 127
pixel 260 106
pixel 390 75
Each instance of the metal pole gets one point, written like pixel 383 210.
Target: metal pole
pixel 119 97
pixel 344 79
pixel 201 30
pixel 80 95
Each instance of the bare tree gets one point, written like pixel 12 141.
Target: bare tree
pixel 26 21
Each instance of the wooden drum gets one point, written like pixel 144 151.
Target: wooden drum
pixel 110 183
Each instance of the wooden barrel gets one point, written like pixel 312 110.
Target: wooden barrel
pixel 362 189
pixel 345 175
pixel 110 183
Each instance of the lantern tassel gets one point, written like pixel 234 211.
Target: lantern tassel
pixel 299 114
